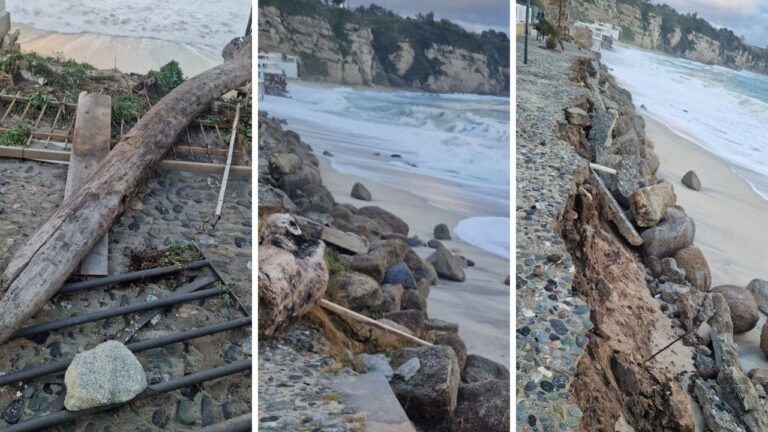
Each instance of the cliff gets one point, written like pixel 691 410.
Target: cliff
pixel 374 46
pixel 661 28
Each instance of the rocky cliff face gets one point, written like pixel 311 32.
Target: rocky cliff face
pixel 331 50
pixel 643 25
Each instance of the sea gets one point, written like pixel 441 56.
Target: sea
pixel 725 111
pixel 205 23
pixel 451 149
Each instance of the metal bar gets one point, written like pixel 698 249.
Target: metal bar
pixel 232 294
pixel 236 424
pixel 62 416
pixel 132 276
pixel 59 366
pixel 118 311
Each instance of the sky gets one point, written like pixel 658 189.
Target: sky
pixel 746 18
pixel 474 15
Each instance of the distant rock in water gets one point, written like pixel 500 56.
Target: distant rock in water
pixel 442 232
pixel 360 192
pixel 327 153
pixel 691 180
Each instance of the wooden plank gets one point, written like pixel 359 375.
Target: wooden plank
pixel 89 147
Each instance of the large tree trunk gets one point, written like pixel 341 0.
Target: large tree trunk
pixel 41 266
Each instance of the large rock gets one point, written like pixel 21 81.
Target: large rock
pixel 292 184
pixel 691 180
pixel 385 219
pixel 107 374
pixel 412 300
pixel 430 395
pixel 674 233
pixel 400 274
pixel 274 198
pixel 649 204
pixel 742 306
pixel 759 377
pixel 478 368
pixel 420 268
pixel 360 192
pixel 446 265
pixel 632 173
pixel 355 291
pixel 764 339
pixel 452 340
pixel 577 116
pixel 483 406
pixel 283 164
pixel 392 296
pixel 413 320
pixel 442 232
pixel 382 254
pixel 691 260
pixel 759 290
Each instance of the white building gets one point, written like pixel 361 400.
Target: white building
pixel 279 63
pixel 599 30
pixel 5 21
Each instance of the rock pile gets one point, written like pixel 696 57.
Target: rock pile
pixel 387 281
pixel 676 270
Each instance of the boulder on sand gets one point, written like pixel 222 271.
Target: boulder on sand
pixel 764 339
pixel 385 219
pixel 107 374
pixel 674 233
pixel 691 180
pixel 649 204
pixel 441 232
pixel 360 192
pixel 742 306
pixel 691 260
pixel 446 265
pixel 759 290
pixel 483 406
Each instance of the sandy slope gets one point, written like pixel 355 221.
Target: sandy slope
pixel 480 305
pixel 730 220
pixel 127 54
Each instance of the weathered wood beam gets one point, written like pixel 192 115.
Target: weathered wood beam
pixel 40 267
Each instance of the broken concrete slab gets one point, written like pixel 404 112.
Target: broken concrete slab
pixel 370 392
pixel 617 216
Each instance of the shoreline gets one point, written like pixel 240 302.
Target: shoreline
pixel 729 217
pixel 480 304
pixel 127 54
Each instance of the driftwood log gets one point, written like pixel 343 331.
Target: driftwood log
pixel 40 267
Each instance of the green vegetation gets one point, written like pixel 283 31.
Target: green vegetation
pixel 127 109
pixel 313 65
pixel 15 136
pixel 246 133
pixel 38 100
pixel 335 266
pixel 168 77
pixel 626 34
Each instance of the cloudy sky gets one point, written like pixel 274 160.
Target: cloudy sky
pixel 746 18
pixel 474 15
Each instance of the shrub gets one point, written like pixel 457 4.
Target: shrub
pixel 127 109
pixel 15 136
pixel 168 77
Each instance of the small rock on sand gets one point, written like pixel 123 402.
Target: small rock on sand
pixel 360 192
pixel 107 374
pixel 743 307
pixel 442 232
pixel 691 180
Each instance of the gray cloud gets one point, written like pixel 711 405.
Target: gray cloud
pixel 471 14
pixel 745 17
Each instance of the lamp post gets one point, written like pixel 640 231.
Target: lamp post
pixel 525 48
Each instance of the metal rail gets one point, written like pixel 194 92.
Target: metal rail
pixel 62 416
pixel 59 366
pixel 132 276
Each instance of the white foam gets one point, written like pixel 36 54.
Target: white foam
pixel 720 109
pixel 486 232
pixel 207 23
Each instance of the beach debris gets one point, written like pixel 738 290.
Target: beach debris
pixel 759 290
pixel 430 394
pixel 692 261
pixel 233 135
pixel 293 274
pixel 442 232
pixel 691 180
pixel 360 192
pixel 40 266
pixel 346 313
pixel 649 204
pixel 107 374
pixel 616 214
pixel 742 306
pixel 447 265
pixel 603 168
pixel 674 233
pixel 91 143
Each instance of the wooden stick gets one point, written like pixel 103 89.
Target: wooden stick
pixel 226 169
pixel 603 168
pixel 333 307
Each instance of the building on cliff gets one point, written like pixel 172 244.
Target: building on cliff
pixel 278 63
pixel 5 21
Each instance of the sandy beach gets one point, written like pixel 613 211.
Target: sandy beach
pixel 729 218
pixel 480 305
pixel 127 54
